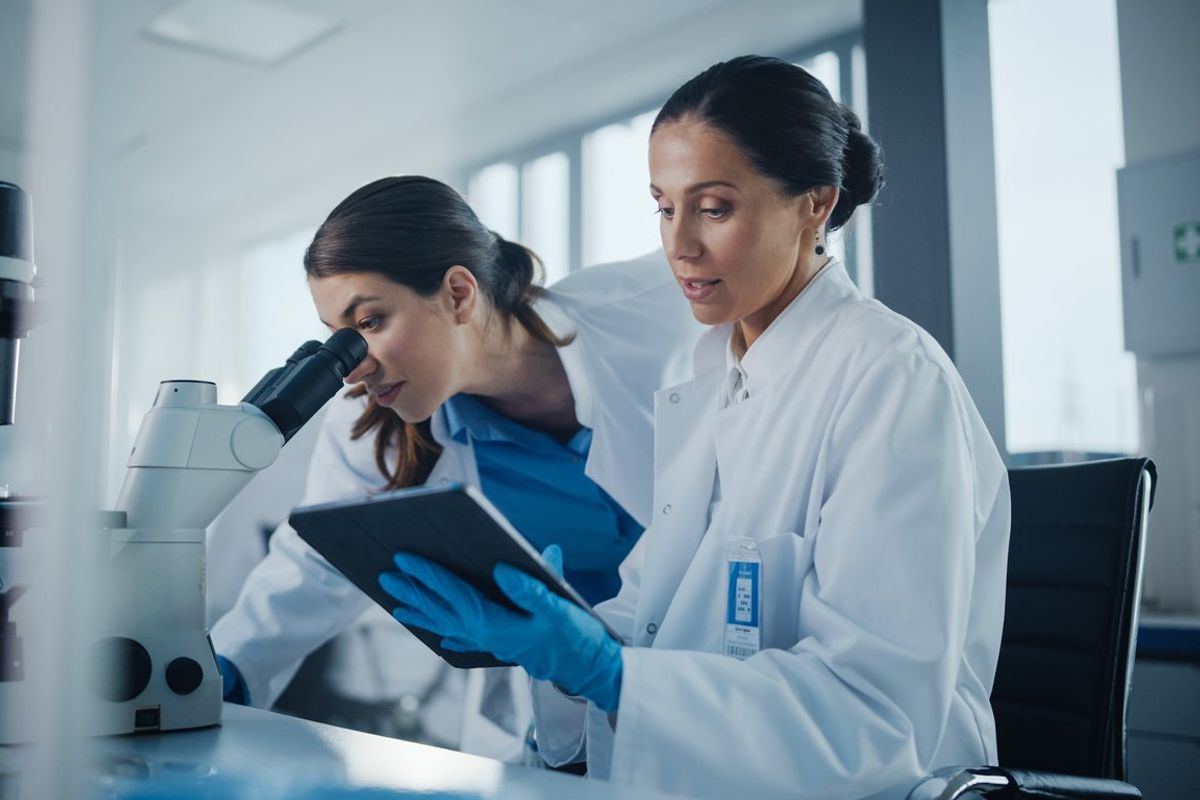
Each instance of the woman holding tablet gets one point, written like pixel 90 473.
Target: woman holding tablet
pixel 816 608
pixel 542 398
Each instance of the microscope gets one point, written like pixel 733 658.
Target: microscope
pixel 152 665
pixel 191 457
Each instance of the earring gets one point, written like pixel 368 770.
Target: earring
pixel 820 247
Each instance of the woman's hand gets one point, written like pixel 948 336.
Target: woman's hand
pixel 555 640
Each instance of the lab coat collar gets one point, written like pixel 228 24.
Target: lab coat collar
pixel 709 353
pixel 572 357
pixel 735 386
pixel 826 292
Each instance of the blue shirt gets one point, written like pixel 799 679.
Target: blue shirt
pixel 538 483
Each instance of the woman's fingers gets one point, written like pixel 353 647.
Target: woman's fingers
pixel 417 618
pixel 452 591
pixel 401 587
pixel 526 592
pixel 554 557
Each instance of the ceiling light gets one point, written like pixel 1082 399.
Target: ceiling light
pixel 253 31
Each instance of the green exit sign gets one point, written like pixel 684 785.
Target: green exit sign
pixel 1187 242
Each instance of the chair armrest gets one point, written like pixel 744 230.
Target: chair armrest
pixel 1019 784
pixel 1033 784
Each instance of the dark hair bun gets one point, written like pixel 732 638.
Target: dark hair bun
pixel 862 170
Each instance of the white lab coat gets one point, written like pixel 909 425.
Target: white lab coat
pixel 880 505
pixel 633 334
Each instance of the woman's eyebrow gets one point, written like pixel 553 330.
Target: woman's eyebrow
pixel 355 301
pixel 698 187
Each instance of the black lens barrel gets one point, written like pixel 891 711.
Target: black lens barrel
pixel 291 394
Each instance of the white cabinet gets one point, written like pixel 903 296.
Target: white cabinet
pixel 1163 738
pixel 1159 205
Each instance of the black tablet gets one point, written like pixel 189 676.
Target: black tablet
pixel 453 525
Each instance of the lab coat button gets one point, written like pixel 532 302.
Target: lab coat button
pixel 651 629
pixel 667 508
pixel 674 397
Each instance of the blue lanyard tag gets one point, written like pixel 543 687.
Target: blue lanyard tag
pixel 743 604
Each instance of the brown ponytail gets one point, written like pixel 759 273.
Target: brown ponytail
pixel 523 290
pixel 416 450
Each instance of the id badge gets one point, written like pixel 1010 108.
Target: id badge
pixel 743 604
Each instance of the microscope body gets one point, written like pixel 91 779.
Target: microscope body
pixel 190 458
pixel 160 672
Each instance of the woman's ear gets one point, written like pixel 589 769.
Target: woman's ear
pixel 461 292
pixel 824 199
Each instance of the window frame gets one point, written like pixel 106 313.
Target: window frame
pixel 570 141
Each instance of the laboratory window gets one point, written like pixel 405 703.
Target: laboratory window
pixel 619 220
pixel 583 196
pixel 1069 385
pixel 270 332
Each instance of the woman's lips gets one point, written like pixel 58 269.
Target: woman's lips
pixel 384 395
pixel 697 290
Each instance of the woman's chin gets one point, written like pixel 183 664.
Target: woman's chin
pixel 710 315
pixel 411 415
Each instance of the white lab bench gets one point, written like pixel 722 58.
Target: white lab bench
pixel 287 756
pixel 296 754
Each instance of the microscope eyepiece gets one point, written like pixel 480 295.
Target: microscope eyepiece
pixel 291 394
pixel 348 347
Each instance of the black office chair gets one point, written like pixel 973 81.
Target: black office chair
pixel 1070 630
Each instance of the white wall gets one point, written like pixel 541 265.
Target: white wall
pixel 10 164
pixel 1160 60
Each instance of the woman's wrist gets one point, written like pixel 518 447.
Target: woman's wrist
pixel 603 686
pixel 234 688
pixel 607 691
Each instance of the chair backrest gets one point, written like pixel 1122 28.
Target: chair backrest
pixel 1070 627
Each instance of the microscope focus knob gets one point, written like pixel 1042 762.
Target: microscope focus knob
pixel 184 675
pixel 123 669
pixel 255 441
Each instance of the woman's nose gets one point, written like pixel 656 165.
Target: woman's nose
pixel 364 368
pixel 679 240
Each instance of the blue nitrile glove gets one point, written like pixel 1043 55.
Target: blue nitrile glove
pixel 233 685
pixel 556 641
